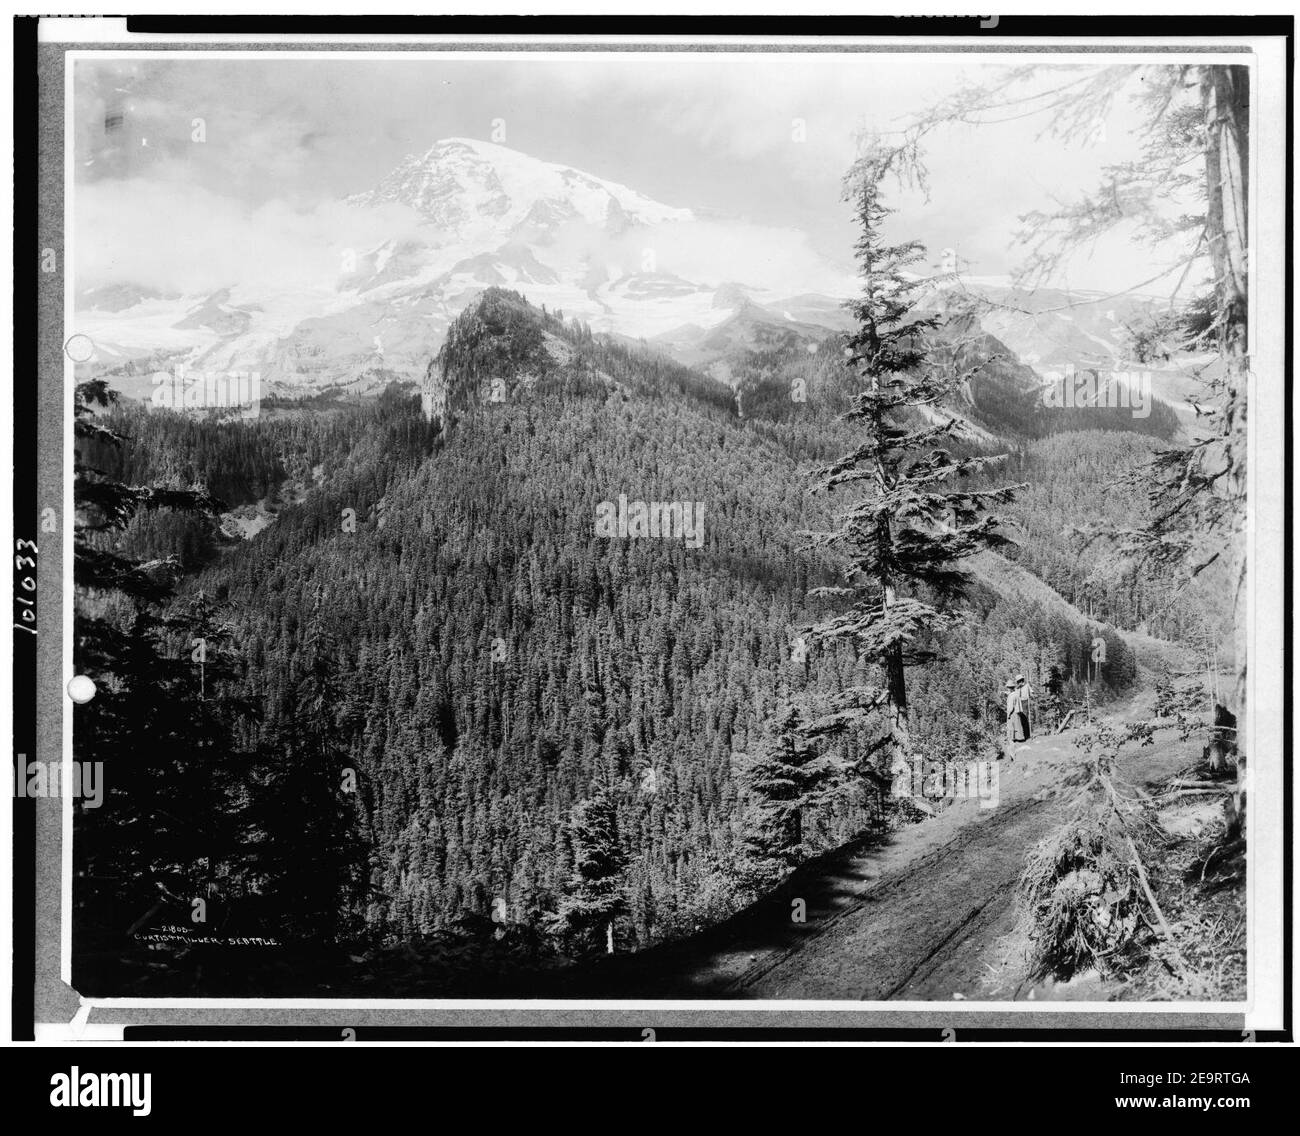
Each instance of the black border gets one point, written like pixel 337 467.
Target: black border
pixel 360 1081
pixel 25 500
pixel 25 512
pixel 739 25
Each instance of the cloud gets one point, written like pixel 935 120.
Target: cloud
pixel 715 252
pixel 801 113
pixel 178 238
pixel 764 136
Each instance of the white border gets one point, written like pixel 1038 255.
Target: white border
pixel 1266 425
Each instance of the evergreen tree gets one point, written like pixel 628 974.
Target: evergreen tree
pixel 790 779
pixel 596 895
pixel 904 537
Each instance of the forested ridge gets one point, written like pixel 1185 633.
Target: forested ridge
pixel 433 682
pixel 1080 465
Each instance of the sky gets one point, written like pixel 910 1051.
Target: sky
pixel 759 138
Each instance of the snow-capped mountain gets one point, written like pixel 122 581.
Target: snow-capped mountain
pixel 477 214
pixel 485 194
pixel 1052 330
pixel 481 215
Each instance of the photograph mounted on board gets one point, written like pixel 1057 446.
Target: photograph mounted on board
pixel 660 525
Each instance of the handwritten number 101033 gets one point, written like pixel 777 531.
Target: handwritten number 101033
pixel 25 569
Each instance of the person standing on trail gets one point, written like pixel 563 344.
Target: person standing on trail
pixel 1025 694
pixel 1013 713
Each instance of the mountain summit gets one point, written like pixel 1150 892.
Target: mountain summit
pixel 478 190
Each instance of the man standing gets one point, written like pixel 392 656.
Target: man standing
pixel 1013 713
pixel 1024 695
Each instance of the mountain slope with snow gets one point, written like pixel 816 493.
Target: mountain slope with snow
pixel 481 191
pixel 482 215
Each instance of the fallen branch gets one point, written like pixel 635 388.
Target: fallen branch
pixel 1141 792
pixel 1155 907
pixel 1066 720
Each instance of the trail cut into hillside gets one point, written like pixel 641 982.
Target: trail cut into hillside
pixel 920 914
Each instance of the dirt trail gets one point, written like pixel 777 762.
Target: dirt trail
pixel 915 916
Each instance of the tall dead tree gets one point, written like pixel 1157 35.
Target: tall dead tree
pixel 1225 99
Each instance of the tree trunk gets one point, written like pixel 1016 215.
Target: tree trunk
pixel 609 937
pixel 898 701
pixel 895 680
pixel 1225 97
